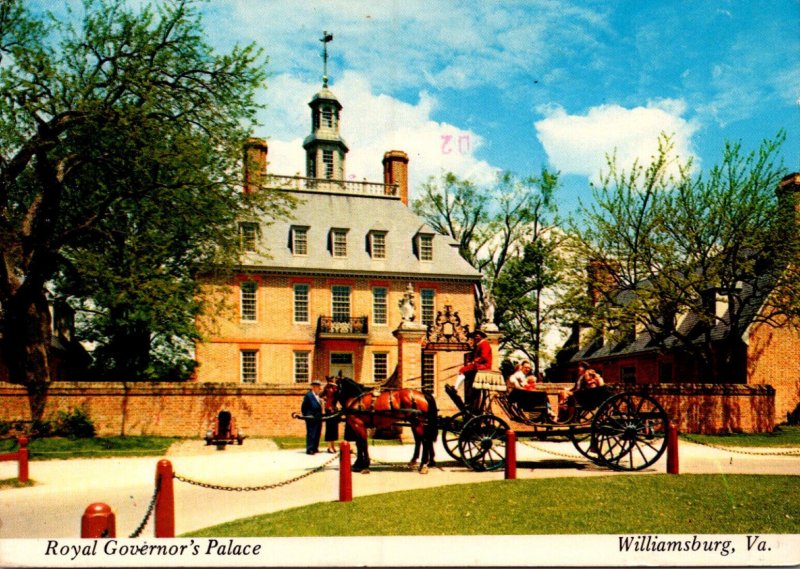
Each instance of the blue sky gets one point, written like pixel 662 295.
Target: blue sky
pixel 481 86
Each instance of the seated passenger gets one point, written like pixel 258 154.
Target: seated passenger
pixel 588 378
pixel 519 379
pixel 530 383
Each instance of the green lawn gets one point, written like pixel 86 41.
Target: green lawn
pixel 51 448
pixel 659 503
pixel 783 436
pixel 285 443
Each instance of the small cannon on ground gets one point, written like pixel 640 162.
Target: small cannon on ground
pixel 224 431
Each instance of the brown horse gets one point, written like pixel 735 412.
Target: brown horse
pixel 362 410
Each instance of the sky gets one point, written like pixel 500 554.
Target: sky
pixel 477 88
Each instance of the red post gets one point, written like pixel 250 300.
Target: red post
pixel 165 501
pixel 511 455
pixel 345 473
pixel 672 449
pixel 98 521
pixel 23 458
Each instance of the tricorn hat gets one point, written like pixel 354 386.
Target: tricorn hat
pixel 479 334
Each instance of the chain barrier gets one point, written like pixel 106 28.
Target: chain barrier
pixel 210 486
pixel 555 453
pixel 793 452
pixel 137 532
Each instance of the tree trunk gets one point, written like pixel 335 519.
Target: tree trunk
pixel 27 339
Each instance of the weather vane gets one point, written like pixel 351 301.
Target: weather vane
pixel 326 37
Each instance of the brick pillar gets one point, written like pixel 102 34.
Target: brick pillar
pixel 409 354
pixel 395 171
pixel 255 163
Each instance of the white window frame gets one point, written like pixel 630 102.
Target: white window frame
pixel 248 236
pixel 248 369
pixel 301 366
pixel 299 241
pixel 299 304
pixel 377 251
pixel 339 243
pixel 428 368
pixel 340 302
pixel 382 307
pixel 248 301
pixel 425 247
pixel 376 356
pixel 329 165
pixel 426 294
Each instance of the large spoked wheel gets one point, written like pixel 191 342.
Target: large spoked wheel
pixel 582 440
pixel 451 431
pixel 482 443
pixel 629 431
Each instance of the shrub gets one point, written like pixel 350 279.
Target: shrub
pixel 74 424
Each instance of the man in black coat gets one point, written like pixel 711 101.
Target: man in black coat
pixel 312 408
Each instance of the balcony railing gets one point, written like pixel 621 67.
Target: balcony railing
pixel 325 185
pixel 330 326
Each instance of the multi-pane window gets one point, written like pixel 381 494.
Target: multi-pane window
pixel 248 291
pixel 426 247
pixel 249 365
pixel 327 117
pixel 248 236
pixel 339 242
pixel 379 305
pixel 380 366
pixel 302 371
pixel 340 303
pixel 301 303
pixel 327 161
pixel 299 240
pixel 428 371
pixel 378 245
pixel 427 305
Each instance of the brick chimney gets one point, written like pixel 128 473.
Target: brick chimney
pixel 255 163
pixel 788 192
pixel 395 171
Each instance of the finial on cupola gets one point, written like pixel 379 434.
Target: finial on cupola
pixel 326 37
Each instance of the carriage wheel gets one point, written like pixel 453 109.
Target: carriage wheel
pixel 482 443
pixel 450 433
pixel 630 431
pixel 583 441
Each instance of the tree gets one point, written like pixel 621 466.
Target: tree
pixel 118 136
pixel 506 232
pixel 663 245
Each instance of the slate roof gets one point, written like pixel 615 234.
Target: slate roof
pixel 358 213
pixel 753 294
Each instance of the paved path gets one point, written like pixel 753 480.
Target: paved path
pixel 53 507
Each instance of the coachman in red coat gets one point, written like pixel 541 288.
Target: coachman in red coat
pixel 481 359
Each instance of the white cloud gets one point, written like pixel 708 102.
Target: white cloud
pixel 579 144
pixel 371 125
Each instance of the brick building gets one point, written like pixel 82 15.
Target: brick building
pixel 761 354
pixel 320 293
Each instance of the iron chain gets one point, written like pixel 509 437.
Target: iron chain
pixel 793 452
pixel 149 512
pixel 528 444
pixel 255 488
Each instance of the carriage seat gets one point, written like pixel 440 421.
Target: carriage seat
pixel 489 380
pixel 528 400
pixel 592 398
pixel 224 431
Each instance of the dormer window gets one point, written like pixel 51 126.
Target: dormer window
pixel 248 235
pixel 377 244
pixel 425 246
pixel 299 240
pixel 339 242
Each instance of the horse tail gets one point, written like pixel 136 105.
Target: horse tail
pixel 431 419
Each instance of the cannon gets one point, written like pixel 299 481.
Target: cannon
pixel 223 431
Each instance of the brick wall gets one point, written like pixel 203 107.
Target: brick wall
pixel 774 359
pixel 186 409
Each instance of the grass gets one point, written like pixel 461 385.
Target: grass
pixel 783 436
pixel 14 483
pixel 286 443
pixel 660 503
pixel 52 448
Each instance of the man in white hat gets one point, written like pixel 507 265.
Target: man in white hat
pixel 312 410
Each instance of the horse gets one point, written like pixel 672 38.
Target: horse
pixel 363 409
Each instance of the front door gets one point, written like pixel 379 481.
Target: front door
pixel 342 362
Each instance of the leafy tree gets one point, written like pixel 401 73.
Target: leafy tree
pixel 662 246
pixel 506 232
pixel 119 137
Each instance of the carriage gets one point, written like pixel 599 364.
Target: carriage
pixel 622 431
